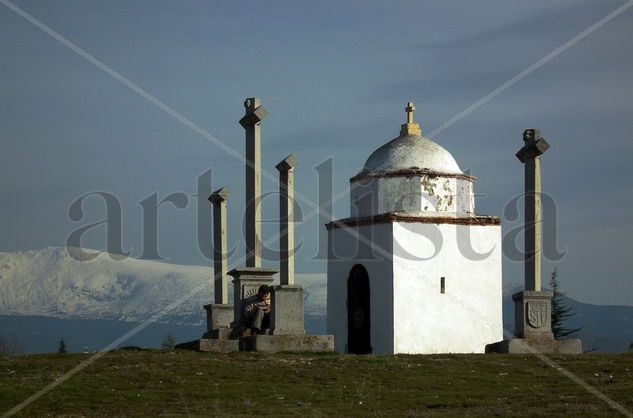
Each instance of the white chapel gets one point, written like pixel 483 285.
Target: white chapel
pixel 413 269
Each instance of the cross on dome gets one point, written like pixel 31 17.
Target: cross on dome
pixel 410 109
pixel 410 128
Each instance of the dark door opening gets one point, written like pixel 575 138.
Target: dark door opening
pixel 358 311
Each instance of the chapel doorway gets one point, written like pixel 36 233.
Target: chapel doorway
pixel 358 311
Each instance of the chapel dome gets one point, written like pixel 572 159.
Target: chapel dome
pixel 410 151
pixel 411 175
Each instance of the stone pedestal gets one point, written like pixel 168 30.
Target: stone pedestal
pixel 210 344
pixel 279 343
pixel 533 328
pixel 529 346
pixel 219 320
pixel 246 282
pixel 533 314
pixel 286 317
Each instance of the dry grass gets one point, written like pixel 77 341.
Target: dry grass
pixel 174 383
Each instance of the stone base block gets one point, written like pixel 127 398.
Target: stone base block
pixel 219 334
pixel 540 345
pixel 277 343
pixel 246 281
pixel 218 316
pixel 533 315
pixel 217 346
pixel 287 315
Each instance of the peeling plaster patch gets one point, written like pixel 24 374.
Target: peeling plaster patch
pixel 438 205
pixel 428 185
pixel 413 194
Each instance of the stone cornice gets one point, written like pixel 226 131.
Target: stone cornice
pixel 411 172
pixel 391 217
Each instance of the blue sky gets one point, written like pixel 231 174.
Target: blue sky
pixel 335 77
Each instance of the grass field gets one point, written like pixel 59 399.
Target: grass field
pixel 170 383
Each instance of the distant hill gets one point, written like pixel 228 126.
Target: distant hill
pixel 47 294
pixel 41 334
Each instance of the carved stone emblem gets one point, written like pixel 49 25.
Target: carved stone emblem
pixel 537 313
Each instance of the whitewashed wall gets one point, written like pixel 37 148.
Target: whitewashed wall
pixel 344 253
pixel 468 316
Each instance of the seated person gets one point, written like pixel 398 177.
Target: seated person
pixel 257 311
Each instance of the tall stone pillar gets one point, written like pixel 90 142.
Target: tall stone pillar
pixel 246 280
pixel 533 306
pixel 286 220
pixel 218 199
pixel 251 122
pixel 219 314
pixel 529 155
pixel 287 316
pixel 533 224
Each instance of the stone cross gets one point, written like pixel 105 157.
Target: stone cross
pixel 533 306
pixel 529 155
pixel 410 128
pixel 410 109
pixel 252 124
pixel 286 220
pixel 220 248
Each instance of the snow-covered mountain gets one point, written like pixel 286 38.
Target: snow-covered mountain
pixel 52 283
